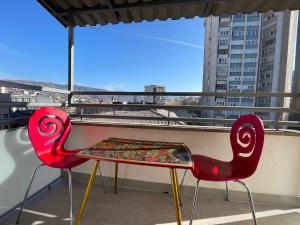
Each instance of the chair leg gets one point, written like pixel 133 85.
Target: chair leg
pixel 182 179
pixel 27 192
pixel 181 183
pixel 227 194
pixel 176 195
pixel 250 200
pixel 179 190
pixel 102 180
pixel 194 202
pixel 116 176
pixel 87 193
pixel 70 196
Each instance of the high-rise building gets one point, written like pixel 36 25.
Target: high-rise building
pixel 248 53
pixel 155 99
pixel 277 59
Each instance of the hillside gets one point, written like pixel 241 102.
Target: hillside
pixel 58 86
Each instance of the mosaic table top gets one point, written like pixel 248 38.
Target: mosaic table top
pixel 152 153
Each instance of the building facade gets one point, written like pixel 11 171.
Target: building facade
pixel 248 53
pixel 277 59
pixel 155 99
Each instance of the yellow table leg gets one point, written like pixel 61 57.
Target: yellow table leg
pixel 180 202
pixel 176 195
pixel 116 176
pixel 87 192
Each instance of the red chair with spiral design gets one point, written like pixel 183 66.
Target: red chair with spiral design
pixel 247 140
pixel 48 131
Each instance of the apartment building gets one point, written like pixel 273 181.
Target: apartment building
pixel 155 99
pixel 277 59
pixel 248 53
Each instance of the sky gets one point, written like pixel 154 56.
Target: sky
pixel 33 46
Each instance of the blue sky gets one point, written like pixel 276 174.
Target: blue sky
pixel 33 45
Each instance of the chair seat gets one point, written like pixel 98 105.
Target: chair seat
pixel 209 169
pixel 61 161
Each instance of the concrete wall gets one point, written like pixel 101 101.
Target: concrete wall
pixel 278 171
pixel 17 160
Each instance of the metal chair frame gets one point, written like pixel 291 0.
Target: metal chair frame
pixel 48 130
pixel 247 145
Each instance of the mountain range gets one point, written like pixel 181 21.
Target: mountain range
pixel 57 86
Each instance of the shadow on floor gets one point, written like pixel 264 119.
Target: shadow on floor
pixel 136 207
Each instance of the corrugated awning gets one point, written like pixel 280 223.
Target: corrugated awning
pixel 103 12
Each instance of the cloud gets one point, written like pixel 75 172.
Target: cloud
pixel 172 41
pixel 8 50
pixel 115 87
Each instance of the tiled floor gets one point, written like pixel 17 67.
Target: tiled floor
pixel 136 207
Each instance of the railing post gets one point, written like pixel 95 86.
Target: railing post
pixel 279 118
pixel 296 117
pixel 297 66
pixel 70 58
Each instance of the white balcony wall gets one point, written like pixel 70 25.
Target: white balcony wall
pixel 237 42
pixel 277 173
pixel 237 51
pixel 250 51
pixel 17 161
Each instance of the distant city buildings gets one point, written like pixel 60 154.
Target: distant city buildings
pixel 248 53
pixel 14 95
pixel 4 111
pixel 155 99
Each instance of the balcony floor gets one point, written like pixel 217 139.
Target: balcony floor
pixel 137 207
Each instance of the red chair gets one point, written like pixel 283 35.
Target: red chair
pixel 247 140
pixel 48 130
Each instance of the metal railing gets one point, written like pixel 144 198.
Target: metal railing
pixel 193 120
pixel 276 123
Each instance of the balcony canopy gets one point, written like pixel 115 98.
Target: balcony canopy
pixel 103 12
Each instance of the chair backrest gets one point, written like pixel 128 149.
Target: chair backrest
pixel 48 130
pixel 247 140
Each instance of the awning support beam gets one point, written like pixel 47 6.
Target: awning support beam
pixel 110 6
pixel 70 57
pixel 297 64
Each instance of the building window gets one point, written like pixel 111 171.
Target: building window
pixel 223 42
pixel 236 58
pixel 237 46
pixel 252 32
pixel 251 44
pixel 239 17
pixel 224 33
pixel 253 17
pixel 235 74
pixel 249 69
pixel 222 52
pixel 249 74
pixel 235 69
pixel 238 33
pixel 222 60
pixel 222 69
pixel 250 58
